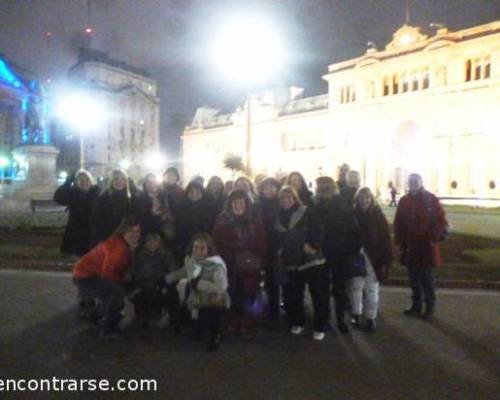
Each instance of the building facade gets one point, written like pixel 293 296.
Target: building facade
pixel 131 132
pixel 424 103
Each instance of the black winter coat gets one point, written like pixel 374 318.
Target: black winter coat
pixel 347 193
pixel 153 223
pixel 193 218
pixel 288 239
pixel 217 205
pixel 269 210
pixel 342 235
pixel 108 211
pixel 77 235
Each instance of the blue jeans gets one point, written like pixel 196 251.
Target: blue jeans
pixel 111 293
pixel 422 281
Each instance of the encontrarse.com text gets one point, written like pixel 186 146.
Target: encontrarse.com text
pixel 77 385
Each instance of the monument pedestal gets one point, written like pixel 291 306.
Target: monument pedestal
pixel 39 165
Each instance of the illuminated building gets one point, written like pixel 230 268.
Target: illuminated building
pixel 131 130
pixel 425 103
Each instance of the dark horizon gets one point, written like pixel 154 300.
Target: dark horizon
pixel 170 38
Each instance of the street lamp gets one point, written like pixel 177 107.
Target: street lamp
pixel 81 112
pixel 248 50
pixel 155 162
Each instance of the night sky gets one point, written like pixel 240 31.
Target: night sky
pixel 170 38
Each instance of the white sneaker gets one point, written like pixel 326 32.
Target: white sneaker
pixel 318 335
pixel 296 330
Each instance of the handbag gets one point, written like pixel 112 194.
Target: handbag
pixel 358 265
pixel 248 263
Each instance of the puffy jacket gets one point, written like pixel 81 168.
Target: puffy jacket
pixel 108 260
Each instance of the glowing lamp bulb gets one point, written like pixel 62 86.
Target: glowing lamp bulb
pixel 88 31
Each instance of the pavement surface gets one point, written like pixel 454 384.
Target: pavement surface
pixel 454 356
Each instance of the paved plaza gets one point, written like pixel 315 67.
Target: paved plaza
pixel 456 356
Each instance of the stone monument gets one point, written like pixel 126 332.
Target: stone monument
pixel 36 156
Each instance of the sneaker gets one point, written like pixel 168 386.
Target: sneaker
pixel 318 335
pixel 356 321
pixel 296 330
pixel 370 325
pixel 412 311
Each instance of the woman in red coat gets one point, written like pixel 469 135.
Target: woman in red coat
pixel 420 223
pixel 240 238
pixel 101 272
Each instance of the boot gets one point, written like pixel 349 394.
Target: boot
pixel 413 311
pixel 428 312
pixel 370 325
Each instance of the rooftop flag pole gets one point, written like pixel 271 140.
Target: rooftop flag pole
pixel 407 21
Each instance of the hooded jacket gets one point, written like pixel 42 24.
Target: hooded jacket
pixel 211 289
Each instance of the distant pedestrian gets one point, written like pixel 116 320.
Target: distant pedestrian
pixel 419 225
pixel 377 258
pixel 78 194
pixel 393 193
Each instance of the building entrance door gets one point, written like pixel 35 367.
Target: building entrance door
pixel 407 154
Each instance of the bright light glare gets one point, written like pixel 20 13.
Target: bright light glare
pixel 124 164
pixel 4 162
pixel 80 111
pixel 248 49
pixel 155 161
pixel 63 175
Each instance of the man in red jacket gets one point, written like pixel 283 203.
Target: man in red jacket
pixel 420 223
pixel 101 272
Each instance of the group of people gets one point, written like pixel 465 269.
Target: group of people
pixel 244 250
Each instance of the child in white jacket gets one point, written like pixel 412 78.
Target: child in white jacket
pixel 203 288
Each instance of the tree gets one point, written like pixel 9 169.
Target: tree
pixel 234 163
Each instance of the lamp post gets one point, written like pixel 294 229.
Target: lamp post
pixel 248 50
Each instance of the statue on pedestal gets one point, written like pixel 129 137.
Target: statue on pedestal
pixel 34 131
